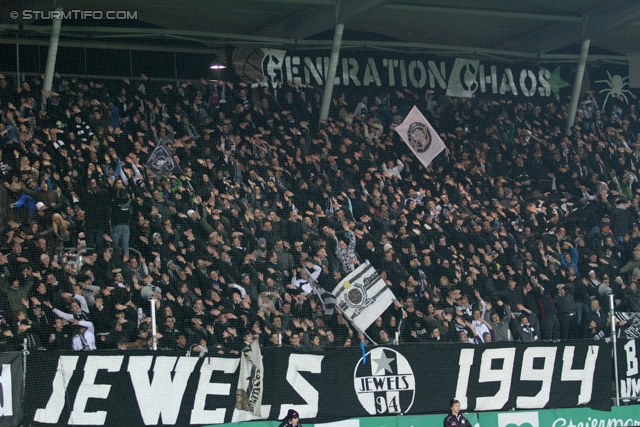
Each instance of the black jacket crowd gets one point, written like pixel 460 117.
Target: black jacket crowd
pixel 514 232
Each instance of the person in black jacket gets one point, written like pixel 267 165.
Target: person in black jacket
pixel 291 420
pixel 566 307
pixel 455 417
pixel 622 220
pixel 120 215
pixel 94 203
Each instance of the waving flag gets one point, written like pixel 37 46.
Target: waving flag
pixel 251 380
pixel 420 136
pixel 327 299
pixel 363 296
pixel 161 161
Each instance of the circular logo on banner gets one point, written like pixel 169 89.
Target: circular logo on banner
pixel 385 383
pixel 356 296
pixel 162 163
pixel 419 137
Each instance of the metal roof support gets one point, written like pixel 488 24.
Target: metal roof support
pixel 483 13
pixel 110 46
pixel 93 36
pixel 577 85
pixel 17 60
pixel 51 57
pixel 331 73
pixel 318 20
pixel 123 31
pixel 597 21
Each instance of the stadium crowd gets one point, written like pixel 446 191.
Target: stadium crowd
pixel 510 234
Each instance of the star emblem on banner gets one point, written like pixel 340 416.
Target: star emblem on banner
pixel 383 387
pixel 556 82
pixel 383 363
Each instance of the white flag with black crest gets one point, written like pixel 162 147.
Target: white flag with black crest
pixel 251 380
pixel 420 136
pixel 363 296
pixel 161 161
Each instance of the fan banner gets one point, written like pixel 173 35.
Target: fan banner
pixel 420 136
pixel 363 296
pixel 161 161
pixel 628 369
pixel 140 389
pixel 251 380
pixel 460 77
pixel 11 388
pixel 632 326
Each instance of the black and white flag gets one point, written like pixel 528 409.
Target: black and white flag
pixel 161 161
pixel 632 326
pixel 251 380
pixel 363 296
pixel 327 299
pixel 420 136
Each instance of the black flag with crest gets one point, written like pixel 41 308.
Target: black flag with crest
pixel 161 161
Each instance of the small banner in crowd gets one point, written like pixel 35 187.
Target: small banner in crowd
pixel 632 326
pixel 420 136
pixel 327 299
pixel 11 388
pixel 251 380
pixel 363 296
pixel 161 161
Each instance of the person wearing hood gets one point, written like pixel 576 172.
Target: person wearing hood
pixel 291 420
pixel 16 289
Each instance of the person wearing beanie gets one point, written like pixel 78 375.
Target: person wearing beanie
pixel 291 420
pixel 261 249
pixel 455 417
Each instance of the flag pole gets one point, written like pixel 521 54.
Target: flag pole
pixel 354 325
pixel 362 332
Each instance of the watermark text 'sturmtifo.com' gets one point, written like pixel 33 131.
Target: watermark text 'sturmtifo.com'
pixel 75 14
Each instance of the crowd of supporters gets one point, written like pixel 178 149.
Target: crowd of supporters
pixel 513 233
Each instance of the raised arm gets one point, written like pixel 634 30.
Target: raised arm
pixel 62 314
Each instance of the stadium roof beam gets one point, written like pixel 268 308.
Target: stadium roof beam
pixel 92 37
pixel 110 46
pixel 484 13
pixel 128 32
pixel 315 23
pixel 303 2
pixel 596 21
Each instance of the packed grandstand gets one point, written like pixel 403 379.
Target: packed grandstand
pixel 190 220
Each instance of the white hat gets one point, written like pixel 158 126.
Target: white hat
pixel 387 247
pixel 40 206
pixel 190 212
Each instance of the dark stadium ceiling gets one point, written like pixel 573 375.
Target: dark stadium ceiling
pixel 506 29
